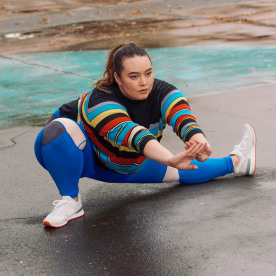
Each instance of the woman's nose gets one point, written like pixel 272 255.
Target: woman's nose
pixel 143 81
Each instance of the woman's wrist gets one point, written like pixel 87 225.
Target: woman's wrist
pixel 198 137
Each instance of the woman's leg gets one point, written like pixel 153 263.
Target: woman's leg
pixel 59 149
pixel 153 172
pixel 206 171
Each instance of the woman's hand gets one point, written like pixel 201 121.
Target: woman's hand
pixel 205 154
pixel 182 161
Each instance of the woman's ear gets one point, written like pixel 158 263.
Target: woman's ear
pixel 117 78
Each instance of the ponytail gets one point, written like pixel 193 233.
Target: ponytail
pixel 115 63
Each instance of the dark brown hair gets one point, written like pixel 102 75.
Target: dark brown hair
pixel 115 63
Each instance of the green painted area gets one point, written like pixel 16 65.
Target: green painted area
pixel 34 86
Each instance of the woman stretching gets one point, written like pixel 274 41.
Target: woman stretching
pixel 112 134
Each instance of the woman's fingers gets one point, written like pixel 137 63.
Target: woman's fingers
pixel 197 148
pixel 195 143
pixel 188 145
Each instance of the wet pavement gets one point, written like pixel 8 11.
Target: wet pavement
pixel 224 227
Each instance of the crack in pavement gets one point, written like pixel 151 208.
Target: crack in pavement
pixel 12 139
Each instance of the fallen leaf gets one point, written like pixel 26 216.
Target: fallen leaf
pixel 138 12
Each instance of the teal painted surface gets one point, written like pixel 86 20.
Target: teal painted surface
pixel 33 86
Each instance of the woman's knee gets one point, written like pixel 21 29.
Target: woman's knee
pixel 58 126
pixel 72 128
pixel 55 129
pixel 51 131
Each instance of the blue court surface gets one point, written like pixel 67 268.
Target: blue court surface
pixel 34 85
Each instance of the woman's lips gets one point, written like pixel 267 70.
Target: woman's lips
pixel 143 90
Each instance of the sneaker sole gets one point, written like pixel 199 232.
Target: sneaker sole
pixel 75 216
pixel 252 164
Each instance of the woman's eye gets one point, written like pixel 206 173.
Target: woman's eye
pixel 133 77
pixel 149 73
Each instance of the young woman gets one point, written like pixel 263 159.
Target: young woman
pixel 112 134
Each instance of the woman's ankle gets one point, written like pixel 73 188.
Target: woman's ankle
pixel 235 160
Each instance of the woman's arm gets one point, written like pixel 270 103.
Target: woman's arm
pixel 176 112
pixel 182 161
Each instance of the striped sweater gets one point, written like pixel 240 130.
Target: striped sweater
pixel 120 127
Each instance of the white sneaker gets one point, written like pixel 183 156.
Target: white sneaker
pixel 65 210
pixel 246 151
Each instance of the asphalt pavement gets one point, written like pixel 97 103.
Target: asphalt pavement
pixel 224 227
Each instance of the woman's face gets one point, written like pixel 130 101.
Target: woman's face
pixel 137 77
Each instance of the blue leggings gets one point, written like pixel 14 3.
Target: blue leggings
pixel 56 151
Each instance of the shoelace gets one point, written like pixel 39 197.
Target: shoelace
pixel 59 203
pixel 241 146
pixel 245 135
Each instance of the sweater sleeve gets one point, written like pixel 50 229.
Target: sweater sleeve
pixel 111 120
pixel 69 110
pixel 176 112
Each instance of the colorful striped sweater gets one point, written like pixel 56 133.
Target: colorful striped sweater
pixel 120 127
